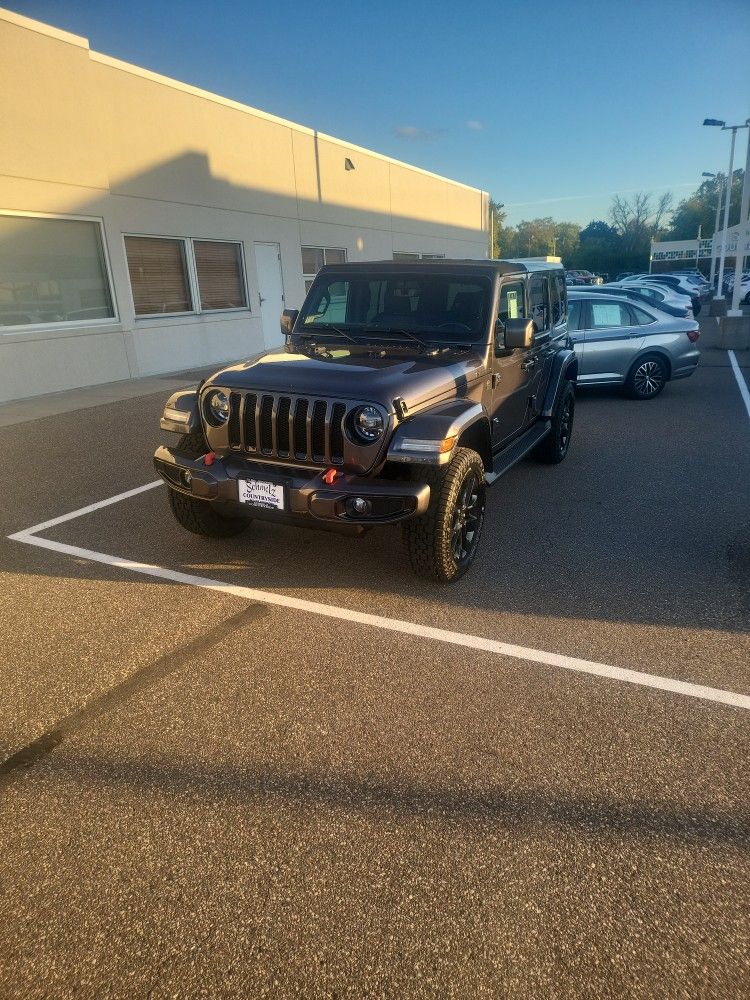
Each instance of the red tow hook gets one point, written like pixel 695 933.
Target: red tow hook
pixel 329 476
pixel 209 457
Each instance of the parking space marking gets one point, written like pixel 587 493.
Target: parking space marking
pixel 30 536
pixel 741 384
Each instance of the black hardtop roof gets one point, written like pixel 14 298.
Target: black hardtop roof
pixel 486 267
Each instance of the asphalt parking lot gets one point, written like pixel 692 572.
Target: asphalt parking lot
pixel 223 791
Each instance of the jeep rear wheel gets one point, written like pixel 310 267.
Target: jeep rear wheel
pixel 200 516
pixel 442 544
pixel 554 447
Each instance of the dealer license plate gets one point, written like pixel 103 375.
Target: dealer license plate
pixel 261 494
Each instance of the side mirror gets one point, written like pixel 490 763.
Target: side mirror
pixel 519 333
pixel 288 319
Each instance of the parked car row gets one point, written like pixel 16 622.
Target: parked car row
pixel 577 276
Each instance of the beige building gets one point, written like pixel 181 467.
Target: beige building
pixel 147 226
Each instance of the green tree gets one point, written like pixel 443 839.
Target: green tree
pixel 497 223
pixel 699 208
pixel 600 249
pixel 540 238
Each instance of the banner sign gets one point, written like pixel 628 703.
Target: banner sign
pixel 694 249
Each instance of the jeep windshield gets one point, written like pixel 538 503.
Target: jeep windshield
pixel 422 310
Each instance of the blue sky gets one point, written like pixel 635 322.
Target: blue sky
pixel 551 107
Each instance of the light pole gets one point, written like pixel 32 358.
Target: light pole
pixel 742 233
pixel 733 129
pixel 716 223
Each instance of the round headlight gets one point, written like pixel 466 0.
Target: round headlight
pixel 368 423
pixel 218 406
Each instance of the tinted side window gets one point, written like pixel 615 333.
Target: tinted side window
pixel 539 302
pixel 512 301
pixel 609 314
pixel 574 315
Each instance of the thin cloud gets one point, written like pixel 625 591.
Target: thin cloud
pixel 606 194
pixel 415 133
pixel 474 125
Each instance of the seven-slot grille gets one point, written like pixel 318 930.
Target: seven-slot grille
pixel 294 427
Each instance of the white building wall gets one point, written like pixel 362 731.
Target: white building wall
pixel 85 135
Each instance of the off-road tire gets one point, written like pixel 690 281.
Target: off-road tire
pixel 554 447
pixel 661 373
pixel 200 516
pixel 428 539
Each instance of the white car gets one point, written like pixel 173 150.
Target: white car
pixel 676 280
pixel 658 293
pixel 728 286
pixel 744 289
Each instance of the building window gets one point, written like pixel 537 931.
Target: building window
pixel 416 255
pixel 160 275
pixel 313 258
pixel 220 274
pixel 52 271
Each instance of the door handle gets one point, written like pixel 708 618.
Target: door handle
pixel 528 364
pixel 261 300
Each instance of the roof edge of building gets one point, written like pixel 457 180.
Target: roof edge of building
pixel 65 36
pixel 42 28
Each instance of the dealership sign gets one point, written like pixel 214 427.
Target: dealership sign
pixel 694 249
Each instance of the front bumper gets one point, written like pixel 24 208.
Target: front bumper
pixel 308 500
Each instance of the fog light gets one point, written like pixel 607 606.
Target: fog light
pixel 359 506
pixel 187 478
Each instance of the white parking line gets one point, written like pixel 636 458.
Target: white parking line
pixel 741 384
pixel 29 536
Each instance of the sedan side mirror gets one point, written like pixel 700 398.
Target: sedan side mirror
pixel 519 333
pixel 288 319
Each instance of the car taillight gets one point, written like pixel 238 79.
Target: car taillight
pixel 693 335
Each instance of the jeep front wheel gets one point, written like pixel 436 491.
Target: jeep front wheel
pixel 442 544
pixel 200 516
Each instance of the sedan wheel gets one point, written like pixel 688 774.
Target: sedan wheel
pixel 647 378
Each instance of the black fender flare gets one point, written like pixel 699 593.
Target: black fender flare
pixel 439 423
pixel 564 369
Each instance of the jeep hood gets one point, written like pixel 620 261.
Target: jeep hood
pixel 357 376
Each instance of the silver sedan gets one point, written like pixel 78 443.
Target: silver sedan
pixel 622 341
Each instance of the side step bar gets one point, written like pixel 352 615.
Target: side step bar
pixel 516 451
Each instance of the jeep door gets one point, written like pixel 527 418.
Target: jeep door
pixel 512 370
pixel 538 361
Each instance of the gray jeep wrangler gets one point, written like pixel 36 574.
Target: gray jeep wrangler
pixel 402 392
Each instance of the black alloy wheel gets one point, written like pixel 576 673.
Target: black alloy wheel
pixel 441 543
pixel 467 519
pixel 566 424
pixel 554 447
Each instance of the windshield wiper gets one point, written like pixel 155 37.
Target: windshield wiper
pixel 405 333
pixel 435 345
pixel 328 326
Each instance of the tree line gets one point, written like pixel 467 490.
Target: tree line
pixel 622 243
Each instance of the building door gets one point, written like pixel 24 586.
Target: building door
pixel 270 291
